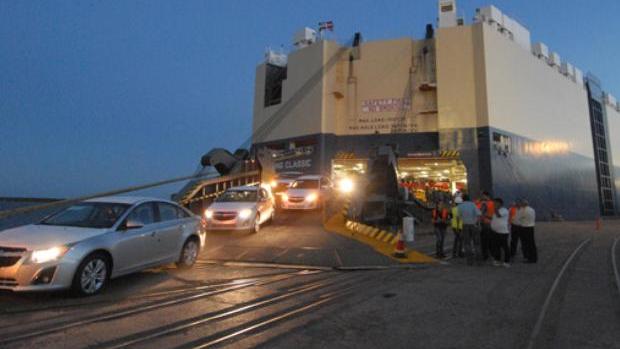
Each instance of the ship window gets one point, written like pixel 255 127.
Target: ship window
pixel 274 76
pixel 502 143
pixel 447 8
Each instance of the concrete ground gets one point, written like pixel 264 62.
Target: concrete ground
pixel 262 300
pixel 293 238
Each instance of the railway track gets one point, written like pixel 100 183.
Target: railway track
pixel 321 292
pixel 291 296
pixel 173 291
pixel 545 325
pixel 264 322
pixel 42 328
pixel 300 293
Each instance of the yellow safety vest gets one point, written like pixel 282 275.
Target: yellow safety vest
pixel 457 222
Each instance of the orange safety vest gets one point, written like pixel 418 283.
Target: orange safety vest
pixel 512 213
pixel 490 208
pixel 444 216
pixel 490 211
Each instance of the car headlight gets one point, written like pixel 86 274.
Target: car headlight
pixel 284 197
pixel 273 183
pixel 245 213
pixel 51 254
pixel 345 185
pixel 208 214
pixel 311 197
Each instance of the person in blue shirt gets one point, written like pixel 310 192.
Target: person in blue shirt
pixel 470 215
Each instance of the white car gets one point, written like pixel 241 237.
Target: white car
pixel 281 182
pixel 86 244
pixel 307 193
pixel 241 208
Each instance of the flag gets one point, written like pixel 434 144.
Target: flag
pixel 329 25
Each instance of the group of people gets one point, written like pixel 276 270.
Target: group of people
pixel 485 229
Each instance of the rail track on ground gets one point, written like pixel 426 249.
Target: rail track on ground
pixel 291 295
pixel 545 329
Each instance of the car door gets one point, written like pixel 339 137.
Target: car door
pixel 134 248
pixel 169 232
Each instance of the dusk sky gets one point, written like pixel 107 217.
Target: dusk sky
pixel 99 95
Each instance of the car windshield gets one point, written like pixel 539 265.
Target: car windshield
pixel 305 184
pixel 238 196
pixel 88 215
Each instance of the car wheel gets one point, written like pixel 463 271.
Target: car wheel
pixel 256 227
pixel 189 254
pixel 92 275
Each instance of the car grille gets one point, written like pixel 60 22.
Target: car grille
pixel 8 282
pixel 225 215
pixel 11 249
pixel 10 255
pixel 296 200
pixel 8 261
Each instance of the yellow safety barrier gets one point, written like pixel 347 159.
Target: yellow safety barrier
pixel 380 240
pixel 449 153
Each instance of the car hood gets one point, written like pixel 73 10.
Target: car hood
pixel 231 206
pixel 300 192
pixel 36 237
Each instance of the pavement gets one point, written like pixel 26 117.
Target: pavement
pixel 458 306
pixel 289 286
pixel 297 238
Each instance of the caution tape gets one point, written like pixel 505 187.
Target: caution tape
pixel 449 153
pixel 344 155
pixel 372 232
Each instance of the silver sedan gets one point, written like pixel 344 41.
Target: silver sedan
pixel 84 245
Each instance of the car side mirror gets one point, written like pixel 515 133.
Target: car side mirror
pixel 133 224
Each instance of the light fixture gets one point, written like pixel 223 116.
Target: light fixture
pixel 245 213
pixel 311 197
pixel 43 256
pixel 345 185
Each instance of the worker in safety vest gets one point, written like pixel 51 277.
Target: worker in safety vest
pixel 526 216
pixel 488 210
pixel 440 222
pixel 478 204
pixel 515 230
pixel 457 228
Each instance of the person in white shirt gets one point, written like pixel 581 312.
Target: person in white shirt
pixel 526 218
pixel 500 231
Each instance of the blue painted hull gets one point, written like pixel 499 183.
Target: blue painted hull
pixel 557 185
